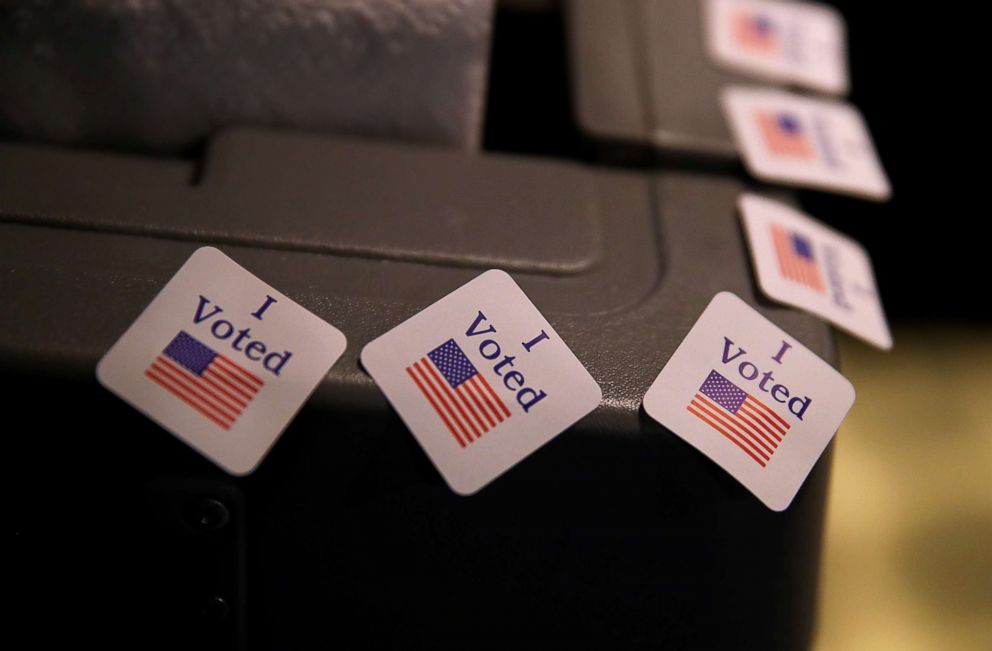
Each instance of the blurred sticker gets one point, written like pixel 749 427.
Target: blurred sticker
pixel 221 360
pixel 481 379
pixel 801 262
pixel 751 398
pixel 792 42
pixel 798 140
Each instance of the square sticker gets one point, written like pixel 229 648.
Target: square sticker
pixel 793 42
pixel 801 262
pixel 481 379
pixel 803 141
pixel 751 398
pixel 221 360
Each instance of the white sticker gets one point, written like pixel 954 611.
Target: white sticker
pixel 481 379
pixel 221 360
pixel 801 262
pixel 751 398
pixel 799 140
pixel 792 42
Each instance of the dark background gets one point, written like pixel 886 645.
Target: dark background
pixel 907 77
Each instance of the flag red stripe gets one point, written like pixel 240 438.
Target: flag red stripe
pixel 782 250
pixel 221 378
pixel 490 410
pixel 447 392
pixel 715 415
pixel 241 403
pixel 770 411
pixel 470 390
pixel 748 35
pixel 485 398
pixel 801 274
pixel 781 142
pixel 251 376
pixel 434 405
pixel 779 251
pixel 758 437
pixel 233 379
pixel 177 391
pixel 795 265
pixel 419 367
pixel 792 265
pixel 812 279
pixel 192 391
pixel 804 267
pixel 720 430
pixel 763 420
pixel 795 273
pixel 727 420
pixel 460 392
pixel 193 384
pixel 493 393
pixel 817 279
pixel 762 415
pixel 218 367
pixel 759 427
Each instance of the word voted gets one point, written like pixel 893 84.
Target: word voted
pixel 513 380
pixel 749 371
pixel 253 349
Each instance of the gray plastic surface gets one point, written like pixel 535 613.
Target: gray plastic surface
pixel 641 76
pixel 617 533
pixel 366 235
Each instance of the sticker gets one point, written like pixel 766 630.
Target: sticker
pixel 804 141
pixel 221 360
pixel 801 262
pixel 481 379
pixel 793 42
pixel 751 398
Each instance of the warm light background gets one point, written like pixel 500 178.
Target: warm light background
pixel 908 552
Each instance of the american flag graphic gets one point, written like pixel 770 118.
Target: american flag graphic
pixel 205 380
pixel 755 31
pixel 795 258
pixel 784 134
pixel 462 398
pixel 739 416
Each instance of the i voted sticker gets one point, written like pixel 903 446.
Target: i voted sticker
pixel 751 398
pixel 801 262
pixel 481 379
pixel 794 42
pixel 221 360
pixel 799 140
